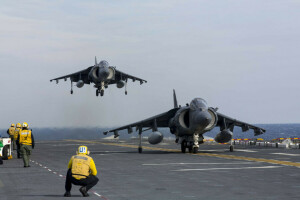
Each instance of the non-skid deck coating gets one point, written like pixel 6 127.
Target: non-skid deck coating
pixel 160 172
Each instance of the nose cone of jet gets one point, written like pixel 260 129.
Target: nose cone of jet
pixel 103 73
pixel 200 120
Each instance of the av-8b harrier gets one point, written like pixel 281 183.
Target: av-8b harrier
pixel 189 123
pixel 102 75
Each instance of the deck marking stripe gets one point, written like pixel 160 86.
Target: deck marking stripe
pixel 209 169
pixel 159 164
pixel 279 162
pixel 63 177
pixel 286 154
pixel 1 184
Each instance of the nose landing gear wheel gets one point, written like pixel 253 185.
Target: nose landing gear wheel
pixel 102 93
pixel 231 148
pixel 191 149
pixel 71 91
pixel 97 92
pixel 140 149
pixel 195 150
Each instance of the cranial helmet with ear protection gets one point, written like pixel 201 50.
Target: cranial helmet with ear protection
pixel 83 150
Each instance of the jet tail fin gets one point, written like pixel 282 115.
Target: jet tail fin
pixel 175 99
pixel 96 61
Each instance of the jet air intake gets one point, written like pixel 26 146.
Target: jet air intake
pixel 102 72
pixel 155 137
pixel 224 136
pixel 80 84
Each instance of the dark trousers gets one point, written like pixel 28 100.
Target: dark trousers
pixel 89 181
pixel 18 150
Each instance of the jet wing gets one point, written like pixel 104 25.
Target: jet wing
pixel 161 120
pixel 227 122
pixel 75 77
pixel 123 76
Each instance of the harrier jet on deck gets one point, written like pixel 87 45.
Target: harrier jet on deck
pixel 189 123
pixel 101 75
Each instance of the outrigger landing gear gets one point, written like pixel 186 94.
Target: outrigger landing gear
pixel 231 146
pixel 71 87
pixel 140 148
pixel 126 87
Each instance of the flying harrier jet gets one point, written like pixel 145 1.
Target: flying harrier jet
pixel 188 124
pixel 102 75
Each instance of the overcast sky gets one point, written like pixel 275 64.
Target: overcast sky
pixel 241 56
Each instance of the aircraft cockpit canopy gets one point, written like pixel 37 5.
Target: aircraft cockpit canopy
pixel 197 104
pixel 103 63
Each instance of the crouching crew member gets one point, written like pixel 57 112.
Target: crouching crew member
pixel 11 132
pixel 81 171
pixel 17 131
pixel 26 142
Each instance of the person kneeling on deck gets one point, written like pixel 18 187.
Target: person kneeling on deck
pixel 81 171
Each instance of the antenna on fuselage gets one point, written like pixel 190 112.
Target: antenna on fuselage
pixel 96 61
pixel 175 99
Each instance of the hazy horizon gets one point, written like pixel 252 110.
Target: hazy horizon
pixel 240 56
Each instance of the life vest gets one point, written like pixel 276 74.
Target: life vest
pixel 11 131
pixel 17 133
pixel 25 137
pixel 81 166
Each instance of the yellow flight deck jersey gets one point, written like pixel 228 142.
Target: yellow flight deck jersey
pixel 11 131
pixel 17 133
pixel 25 137
pixel 82 166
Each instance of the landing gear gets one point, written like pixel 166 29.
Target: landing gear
pixel 140 148
pixel 195 150
pixel 231 146
pixel 191 148
pixel 183 146
pixel 101 92
pixel 71 87
pixel 126 87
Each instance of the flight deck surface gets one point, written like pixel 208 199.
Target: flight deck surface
pixel 160 172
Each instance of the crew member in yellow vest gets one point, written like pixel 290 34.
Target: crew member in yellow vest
pixel 81 171
pixel 17 131
pixel 11 132
pixel 26 142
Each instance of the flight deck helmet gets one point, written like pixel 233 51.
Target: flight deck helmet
pixel 25 125
pixel 19 125
pixel 12 125
pixel 83 150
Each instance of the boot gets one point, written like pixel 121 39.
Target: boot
pixel 67 194
pixel 83 191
